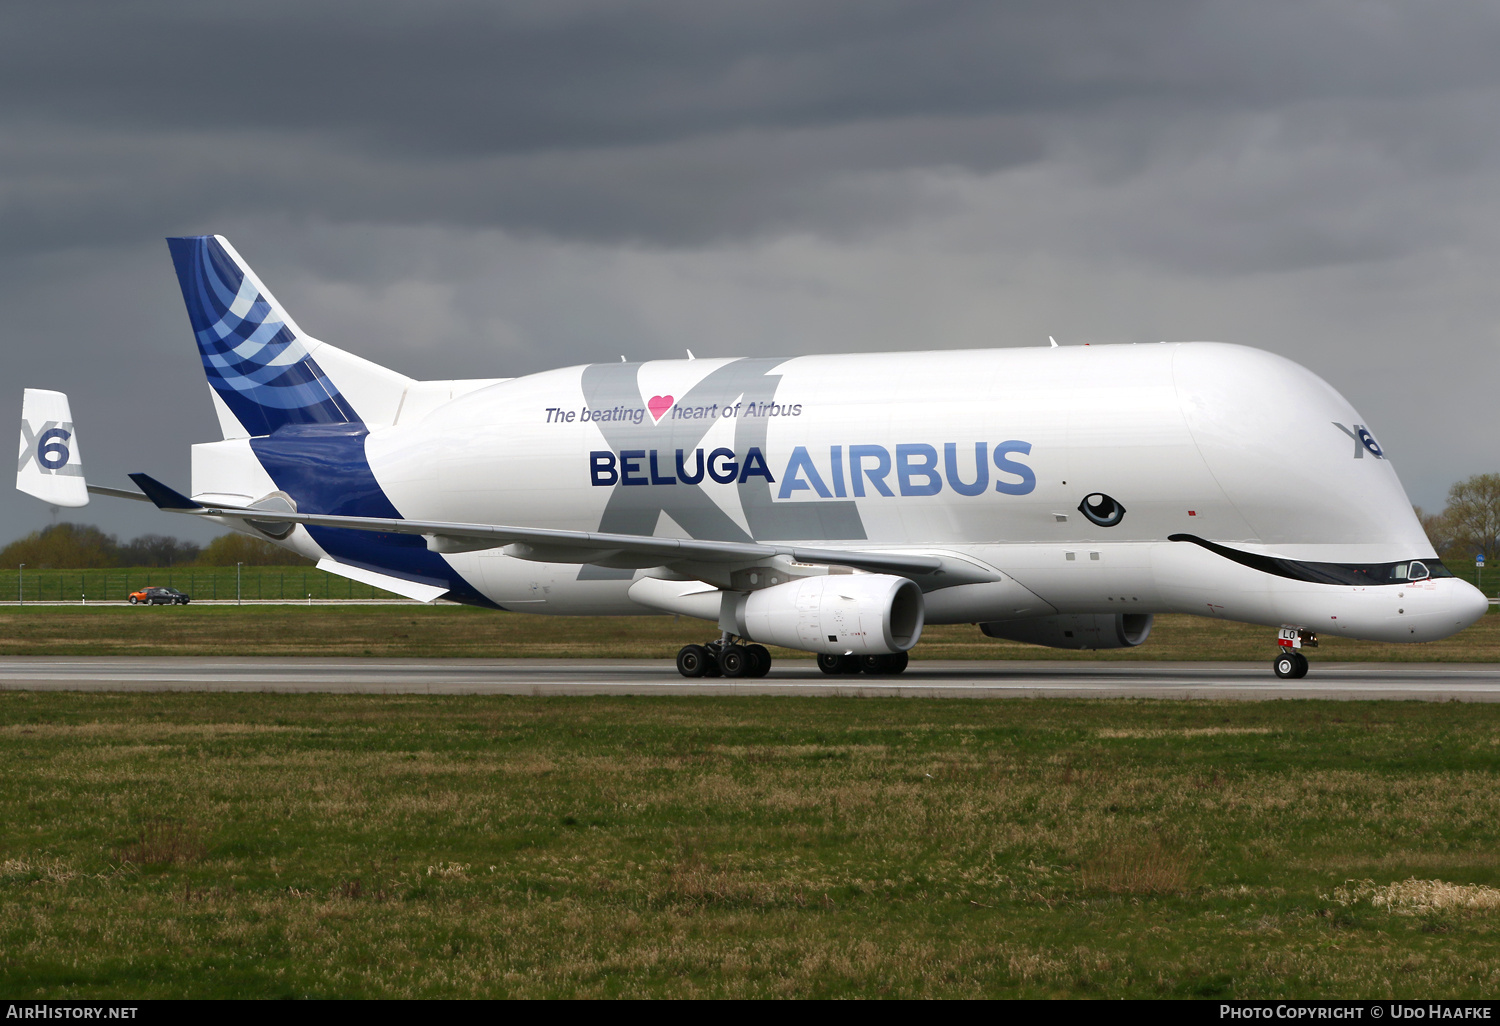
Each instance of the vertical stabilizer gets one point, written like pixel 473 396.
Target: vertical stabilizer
pixel 257 360
pixel 49 465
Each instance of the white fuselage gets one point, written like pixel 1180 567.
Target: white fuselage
pixel 1232 445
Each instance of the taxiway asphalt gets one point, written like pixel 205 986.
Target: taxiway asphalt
pixel 1469 682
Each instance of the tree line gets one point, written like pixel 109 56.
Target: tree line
pixel 1470 523
pixel 85 547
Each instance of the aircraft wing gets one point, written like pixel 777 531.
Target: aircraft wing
pixel 553 546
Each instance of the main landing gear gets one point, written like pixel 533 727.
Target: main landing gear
pixel 723 658
pixel 875 665
pixel 1291 664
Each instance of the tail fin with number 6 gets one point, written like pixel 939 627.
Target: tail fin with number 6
pixel 49 465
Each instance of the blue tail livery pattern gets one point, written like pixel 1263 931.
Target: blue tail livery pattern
pixel 254 359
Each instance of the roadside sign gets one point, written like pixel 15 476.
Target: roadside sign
pixel 1479 561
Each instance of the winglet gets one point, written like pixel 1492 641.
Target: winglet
pixel 164 497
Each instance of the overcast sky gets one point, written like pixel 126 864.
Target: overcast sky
pixel 489 189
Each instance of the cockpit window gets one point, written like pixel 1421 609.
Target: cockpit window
pixel 1358 574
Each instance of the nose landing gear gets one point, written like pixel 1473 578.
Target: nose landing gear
pixel 1291 664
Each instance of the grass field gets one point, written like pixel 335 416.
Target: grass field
pixel 374 846
pixel 449 630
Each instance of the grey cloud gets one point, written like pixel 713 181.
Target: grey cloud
pixel 461 189
pixel 500 78
pixel 481 78
pixel 71 188
pixel 677 122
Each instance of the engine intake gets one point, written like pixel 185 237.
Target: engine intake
pixel 863 614
pixel 1079 630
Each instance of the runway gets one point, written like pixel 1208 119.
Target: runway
pixel 1468 682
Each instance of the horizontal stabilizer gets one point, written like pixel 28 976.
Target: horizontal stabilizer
pixel 118 493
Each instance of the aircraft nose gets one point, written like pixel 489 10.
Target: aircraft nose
pixel 1468 603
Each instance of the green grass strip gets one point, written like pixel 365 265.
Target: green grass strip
pixel 202 845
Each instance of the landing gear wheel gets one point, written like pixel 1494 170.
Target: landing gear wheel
pixel 760 660
pixel 831 664
pixel 850 663
pixel 734 662
pixel 884 665
pixel 1290 666
pixel 692 660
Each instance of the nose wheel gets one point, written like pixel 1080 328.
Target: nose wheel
pixel 1290 665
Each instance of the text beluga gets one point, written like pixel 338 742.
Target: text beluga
pixel 913 469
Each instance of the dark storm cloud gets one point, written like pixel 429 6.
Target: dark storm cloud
pixel 495 188
pixel 668 122
pixel 70 188
pixel 487 77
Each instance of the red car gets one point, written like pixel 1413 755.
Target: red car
pixel 159 597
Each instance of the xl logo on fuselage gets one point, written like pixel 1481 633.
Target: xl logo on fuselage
pixel 651 469
pixel 49 448
pixel 1363 440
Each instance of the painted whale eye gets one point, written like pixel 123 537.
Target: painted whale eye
pixel 1101 509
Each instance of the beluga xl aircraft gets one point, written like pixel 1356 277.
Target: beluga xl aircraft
pixel 1055 495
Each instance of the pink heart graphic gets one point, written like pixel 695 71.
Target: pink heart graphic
pixel 659 405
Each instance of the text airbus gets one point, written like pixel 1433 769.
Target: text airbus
pixel 858 470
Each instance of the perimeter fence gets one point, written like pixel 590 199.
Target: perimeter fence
pixel 255 583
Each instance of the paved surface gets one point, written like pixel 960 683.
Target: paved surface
pixel 1251 681
pixel 125 603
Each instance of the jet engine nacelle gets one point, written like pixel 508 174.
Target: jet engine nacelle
pixel 1082 630
pixel 866 614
